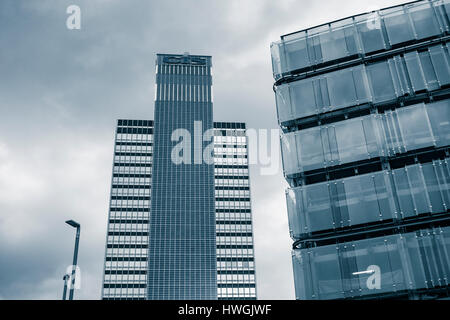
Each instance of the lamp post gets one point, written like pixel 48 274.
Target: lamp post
pixel 75 256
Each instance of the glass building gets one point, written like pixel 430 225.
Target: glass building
pixel 180 230
pixel 364 106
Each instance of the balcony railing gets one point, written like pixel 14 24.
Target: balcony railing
pixel 389 264
pixel 375 197
pixel 378 83
pixel 360 35
pixel 376 135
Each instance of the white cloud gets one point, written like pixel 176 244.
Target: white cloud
pixel 61 91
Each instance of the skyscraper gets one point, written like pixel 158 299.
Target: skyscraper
pixel 182 251
pixel 180 224
pixel 364 105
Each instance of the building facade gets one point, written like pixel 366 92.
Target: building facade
pixel 180 224
pixel 182 242
pixel 364 106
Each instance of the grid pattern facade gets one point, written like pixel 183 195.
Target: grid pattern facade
pixel 125 274
pixel 364 105
pixel 182 240
pixel 126 254
pixel 234 232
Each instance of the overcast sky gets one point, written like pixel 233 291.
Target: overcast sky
pixel 62 90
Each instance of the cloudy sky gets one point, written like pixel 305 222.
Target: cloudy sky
pixel 62 90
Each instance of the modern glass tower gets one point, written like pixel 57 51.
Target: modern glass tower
pixel 182 241
pixel 180 224
pixel 364 105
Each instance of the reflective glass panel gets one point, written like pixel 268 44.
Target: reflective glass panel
pixel 439 115
pixel 381 81
pixel 398 25
pixel 296 54
pixel 415 127
pixel 441 66
pixel 369 28
pixel 424 20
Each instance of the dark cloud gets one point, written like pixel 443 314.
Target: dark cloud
pixel 61 92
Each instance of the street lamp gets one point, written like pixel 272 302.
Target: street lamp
pixel 75 256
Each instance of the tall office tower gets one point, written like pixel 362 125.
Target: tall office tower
pixel 234 237
pixel 125 273
pixel 180 223
pixel 126 256
pixel 364 105
pixel 182 240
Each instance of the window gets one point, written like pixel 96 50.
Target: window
pixel 381 81
pixel 439 115
pixel 339 41
pixel 342 88
pixel 414 71
pixel 424 20
pixel 311 149
pixel 440 60
pixel 304 102
pixel 369 28
pixel 398 25
pixel 415 127
pixel 296 54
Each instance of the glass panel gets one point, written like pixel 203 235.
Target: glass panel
pixel 398 26
pixel 443 177
pixel 432 263
pixel 303 98
pixel 378 256
pixel 416 264
pixel 361 199
pixel 317 202
pixel 428 71
pixel 341 88
pixel 432 187
pixel 441 66
pixel 348 263
pixel 417 185
pixel 311 149
pixel 294 205
pixel 373 136
pixel 439 115
pixel 341 216
pixel 415 71
pixel 424 20
pixel 321 94
pixel 304 286
pixel 381 81
pixel 415 127
pixel 351 140
pixel 403 193
pixel 443 236
pixel 289 153
pixel 283 103
pixel 369 28
pixel 338 43
pixel 296 54
pixel 400 75
pixel 314 49
pixel 327 272
pixel 384 192
pixel 362 84
pixel 276 62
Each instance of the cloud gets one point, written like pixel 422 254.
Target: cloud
pixel 61 92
